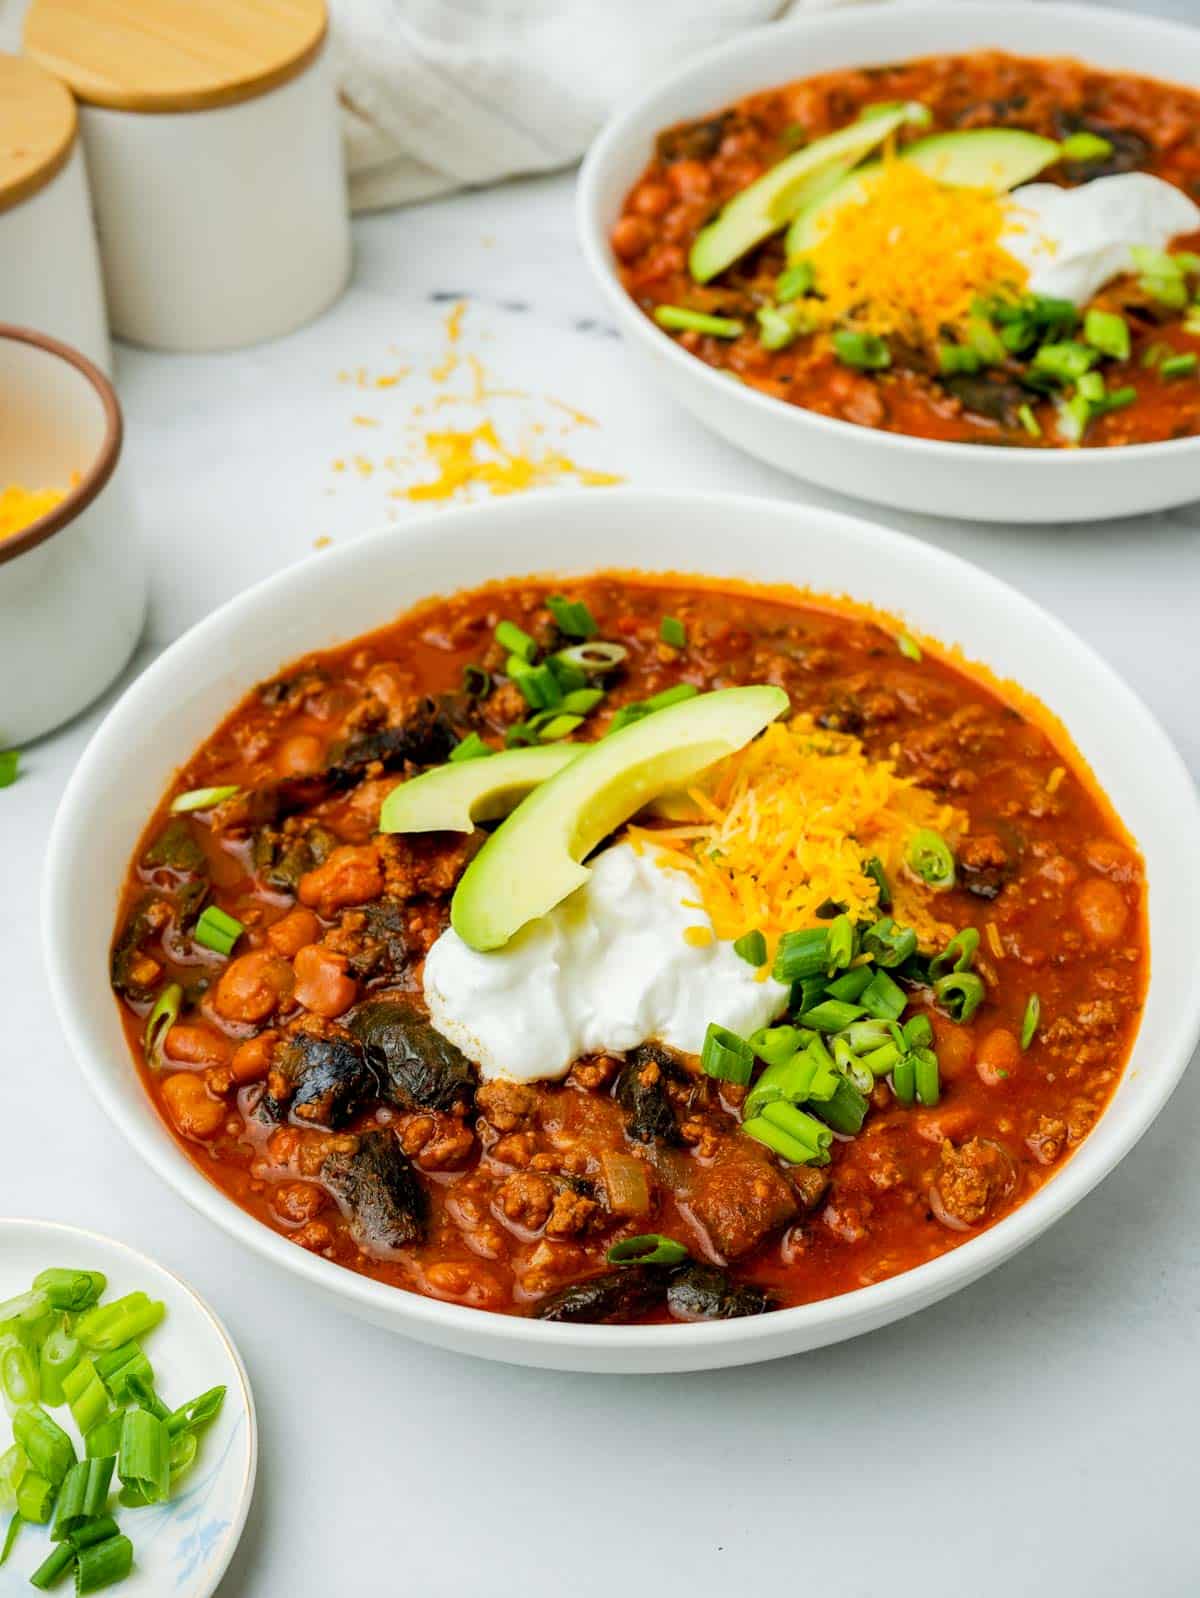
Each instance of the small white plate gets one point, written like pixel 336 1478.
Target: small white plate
pixel 182 1547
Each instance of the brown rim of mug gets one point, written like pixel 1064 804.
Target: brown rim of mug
pixel 84 492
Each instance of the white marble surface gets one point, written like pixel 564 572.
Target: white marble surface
pixel 1033 1435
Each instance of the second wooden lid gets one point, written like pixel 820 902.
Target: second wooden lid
pixel 37 128
pixel 173 55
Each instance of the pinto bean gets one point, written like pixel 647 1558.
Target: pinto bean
pixel 252 1059
pixel 252 986
pixel 630 236
pixel 194 1111
pixel 1101 910
pixel 351 875
pixel 291 932
pixel 323 983
pixel 997 1057
pixel 193 1043
pixel 299 756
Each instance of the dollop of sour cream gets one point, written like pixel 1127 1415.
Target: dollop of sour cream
pixel 607 969
pixel 1074 241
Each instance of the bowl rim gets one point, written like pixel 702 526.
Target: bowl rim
pixel 81 495
pixel 610 145
pixel 429 1317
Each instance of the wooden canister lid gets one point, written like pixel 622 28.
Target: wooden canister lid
pixel 37 128
pixel 173 55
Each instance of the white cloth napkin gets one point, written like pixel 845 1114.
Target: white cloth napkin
pixel 442 94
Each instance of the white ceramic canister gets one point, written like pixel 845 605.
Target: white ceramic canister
pixel 215 161
pixel 72 583
pixel 49 264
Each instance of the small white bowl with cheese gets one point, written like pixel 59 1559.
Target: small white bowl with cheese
pixel 1070 241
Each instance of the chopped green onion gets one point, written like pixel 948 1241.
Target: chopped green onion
pixel 85 1393
pixel 904 1079
pixel 582 700
pixel 1115 400
pixel 776 1044
pixel 1091 387
pixel 863 1036
pixel 800 1127
pixel 726 1056
pixel 104 1440
pixel 795 282
pixel 114 1369
pixel 1067 361
pixel 10 764
pixel 909 647
pixel 846 1111
pixel 58 1357
pixel 822 1083
pixel 143 1462
pixel 842 944
pixel 1085 146
pixel 558 727
pixel 93 1531
pixel 1028 420
pixel 103 1564
pixel 866 352
pixel 929 857
pixel 752 948
pixel 873 868
pixel 23 1311
pixel 55 1565
pixel 1154 353
pixel 161 1019
pixel 572 616
pixel 197 1412
pixel 851 1066
pixel 883 999
pixel 202 798
pixel 35 1498
pixel 1179 366
pixel 184 1449
pixel 217 930
pixel 849 986
pixel 652 1248
pixel 1029 1021
pixel 1107 332
pixel 12 1468
pixel 472 747
pixel 918 1032
pixel 19 1379
pixel 954 359
pixel 516 641
pixel 10 1536
pixel 776 330
pixel 801 954
pixel 958 955
pixel 960 994
pixel 831 1015
pixel 671 696
pixel 889 944
pixel 70 1290
pixel 672 631
pixel 926 1078
pixel 538 684
pixel 476 681
pixel 593 658
pixel 107 1326
pixel 83 1496
pixel 1074 415
pixel 986 343
pixel 678 319
pixel 47 1447
pixel 142 1393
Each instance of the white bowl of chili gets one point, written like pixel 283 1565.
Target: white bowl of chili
pixel 333 598
pixel 986 480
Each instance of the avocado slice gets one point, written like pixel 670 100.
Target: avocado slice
pixel 453 798
pixel 771 201
pixel 996 159
pixel 533 860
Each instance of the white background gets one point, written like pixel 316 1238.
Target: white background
pixel 1036 1434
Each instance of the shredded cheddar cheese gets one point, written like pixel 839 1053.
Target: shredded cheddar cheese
pixel 910 256
pixel 19 507
pixel 786 825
